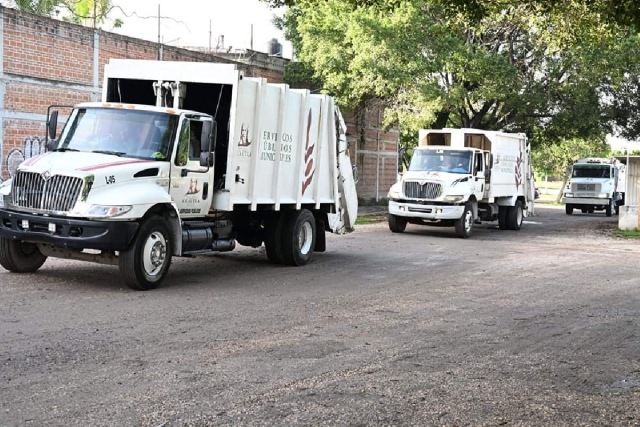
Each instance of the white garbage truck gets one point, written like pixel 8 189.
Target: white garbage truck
pixel 181 159
pixel 596 184
pixel 461 177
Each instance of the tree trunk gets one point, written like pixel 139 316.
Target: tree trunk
pixel 567 175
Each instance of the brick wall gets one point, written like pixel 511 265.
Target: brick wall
pixel 46 61
pixel 374 151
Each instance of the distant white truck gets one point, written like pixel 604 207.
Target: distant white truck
pixel 458 177
pixel 181 159
pixel 596 184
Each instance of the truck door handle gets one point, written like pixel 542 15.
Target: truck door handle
pixel 205 190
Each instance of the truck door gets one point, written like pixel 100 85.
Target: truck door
pixel 191 184
pixel 478 175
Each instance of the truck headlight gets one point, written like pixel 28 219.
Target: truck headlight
pixel 453 199
pixel 99 211
pixel 394 192
pixel 603 195
pixel 568 194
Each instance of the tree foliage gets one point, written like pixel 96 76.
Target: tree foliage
pixel 621 12
pixel 518 68
pixel 92 13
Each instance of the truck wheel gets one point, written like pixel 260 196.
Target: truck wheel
pixel 568 209
pixel 609 209
pixel 146 262
pixel 584 210
pixel 464 225
pixel 396 224
pixel 298 237
pixel 273 236
pixel 617 209
pixel 591 209
pixel 515 216
pixel 20 257
pixel 502 217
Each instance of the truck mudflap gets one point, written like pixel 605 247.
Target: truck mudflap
pixel 66 232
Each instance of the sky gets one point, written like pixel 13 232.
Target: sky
pixel 231 18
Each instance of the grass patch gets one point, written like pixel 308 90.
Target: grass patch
pixel 370 219
pixel 627 234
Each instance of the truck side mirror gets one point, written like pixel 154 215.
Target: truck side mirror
pixel 208 143
pixel 52 124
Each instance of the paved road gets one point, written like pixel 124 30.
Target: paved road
pixel 537 327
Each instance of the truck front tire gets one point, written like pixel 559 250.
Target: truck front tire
pixel 609 208
pixel 20 257
pixel 515 216
pixel 298 237
pixel 146 262
pixel 397 224
pixel 464 225
pixel 568 209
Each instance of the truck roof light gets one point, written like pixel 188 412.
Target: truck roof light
pixel 106 105
pixel 131 107
pixel 171 111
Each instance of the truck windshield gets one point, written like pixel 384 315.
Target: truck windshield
pixel 591 171
pixel 441 161
pixel 126 133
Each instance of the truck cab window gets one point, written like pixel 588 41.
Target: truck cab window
pixel 189 143
pixel 478 164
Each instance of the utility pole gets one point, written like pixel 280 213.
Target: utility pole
pixel 209 35
pixel 251 43
pixel 159 41
pixel 95 13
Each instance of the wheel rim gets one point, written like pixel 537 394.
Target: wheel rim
pixel 154 254
pixel 305 238
pixel 27 249
pixel 519 215
pixel 468 221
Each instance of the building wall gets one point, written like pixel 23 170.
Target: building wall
pixel 374 151
pixel 45 61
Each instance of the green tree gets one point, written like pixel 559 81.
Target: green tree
pixel 92 13
pixel 622 12
pixel 519 69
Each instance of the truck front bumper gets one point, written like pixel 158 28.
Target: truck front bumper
pixel 433 212
pixel 593 201
pixel 67 233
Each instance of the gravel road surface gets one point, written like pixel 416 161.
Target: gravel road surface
pixel 537 327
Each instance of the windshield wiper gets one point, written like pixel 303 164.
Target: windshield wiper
pixel 63 149
pixel 112 153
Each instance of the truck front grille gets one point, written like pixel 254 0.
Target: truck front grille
pixel 428 190
pixel 586 190
pixel 58 193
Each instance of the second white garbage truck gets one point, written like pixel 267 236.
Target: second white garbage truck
pixel 181 159
pixel 460 177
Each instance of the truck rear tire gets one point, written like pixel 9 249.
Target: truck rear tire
pixel 502 217
pixel 515 216
pixel 20 257
pixel 464 225
pixel 298 237
pixel 610 208
pixel 273 237
pixel 568 209
pixel 397 224
pixel 146 262
pixel 591 209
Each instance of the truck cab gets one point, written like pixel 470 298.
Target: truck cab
pixel 594 186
